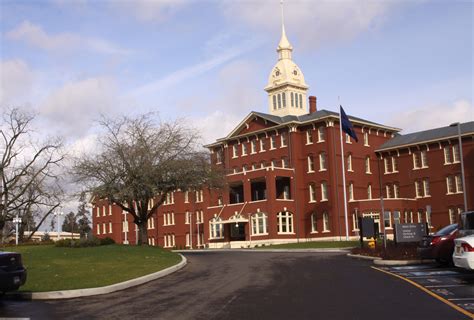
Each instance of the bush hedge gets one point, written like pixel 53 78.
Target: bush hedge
pixel 82 243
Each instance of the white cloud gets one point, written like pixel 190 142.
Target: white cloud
pixel 193 71
pixel 215 125
pixel 150 10
pixel 75 105
pixel 312 23
pixel 35 36
pixel 16 80
pixel 435 116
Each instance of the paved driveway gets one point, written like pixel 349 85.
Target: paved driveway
pixel 248 285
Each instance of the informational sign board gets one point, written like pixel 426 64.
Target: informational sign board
pixel 367 227
pixel 410 232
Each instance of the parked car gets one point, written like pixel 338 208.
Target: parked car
pixel 463 255
pixel 12 272
pixel 440 245
pixel 467 224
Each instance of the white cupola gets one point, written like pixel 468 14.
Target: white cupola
pixel 286 86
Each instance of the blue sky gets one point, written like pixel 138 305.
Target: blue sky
pixel 402 63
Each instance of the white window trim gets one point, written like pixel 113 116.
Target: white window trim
pixel 310 164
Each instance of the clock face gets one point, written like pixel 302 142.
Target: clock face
pixel 277 72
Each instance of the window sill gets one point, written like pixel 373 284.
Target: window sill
pixel 368 173
pixel 308 144
pixel 310 171
pixel 366 145
pixel 289 233
pixel 259 235
pixel 355 230
pixel 323 200
pixel 314 232
pixel 326 231
pixel 282 147
pixel 322 170
pixel 350 170
pixel 262 151
pixel 321 141
pixel 234 157
pixel 220 238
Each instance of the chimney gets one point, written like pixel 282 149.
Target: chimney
pixel 312 104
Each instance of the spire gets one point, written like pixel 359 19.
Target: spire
pixel 284 47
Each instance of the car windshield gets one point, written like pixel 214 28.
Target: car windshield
pixel 467 220
pixel 446 230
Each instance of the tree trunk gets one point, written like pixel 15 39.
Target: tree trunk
pixel 142 233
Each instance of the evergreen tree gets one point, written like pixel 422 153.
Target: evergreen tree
pixel 70 224
pixel 83 216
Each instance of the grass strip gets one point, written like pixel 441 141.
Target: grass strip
pixel 51 268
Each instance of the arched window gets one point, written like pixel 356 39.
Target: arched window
pixel 325 222
pixel 274 102
pixel 285 222
pixel 322 161
pixel 314 223
pixel 259 224
pixel 301 101
pixel 312 192
pixel 296 100
pixel 292 100
pixel 283 97
pixel 216 229
pixel 279 101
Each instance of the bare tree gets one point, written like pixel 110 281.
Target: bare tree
pixel 141 159
pixel 27 170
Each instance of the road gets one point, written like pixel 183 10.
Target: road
pixel 248 285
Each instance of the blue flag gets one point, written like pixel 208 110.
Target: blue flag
pixel 347 125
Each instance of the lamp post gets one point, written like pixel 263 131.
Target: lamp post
pixel 457 124
pixel 58 214
pixel 16 221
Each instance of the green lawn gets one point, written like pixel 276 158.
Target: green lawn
pixel 51 268
pixel 314 245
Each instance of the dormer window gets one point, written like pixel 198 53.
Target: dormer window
pixel 295 72
pixel 277 73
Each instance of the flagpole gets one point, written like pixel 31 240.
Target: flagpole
pixel 343 176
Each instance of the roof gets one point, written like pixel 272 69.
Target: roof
pixel 320 114
pixel 314 116
pixel 427 136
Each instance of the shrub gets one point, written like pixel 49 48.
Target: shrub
pixel 106 241
pixel 64 243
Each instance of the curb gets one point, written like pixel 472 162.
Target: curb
pixel 321 250
pixel 359 256
pixel 401 262
pixel 68 294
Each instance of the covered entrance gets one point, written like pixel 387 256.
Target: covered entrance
pixel 233 229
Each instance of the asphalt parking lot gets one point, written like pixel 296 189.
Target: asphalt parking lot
pixel 254 285
pixel 452 284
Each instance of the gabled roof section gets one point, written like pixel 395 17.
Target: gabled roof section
pixel 427 136
pixel 307 118
pixel 248 119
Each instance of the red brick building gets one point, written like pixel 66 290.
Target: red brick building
pixel 285 180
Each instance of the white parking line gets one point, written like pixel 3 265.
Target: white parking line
pixel 460 299
pixel 446 286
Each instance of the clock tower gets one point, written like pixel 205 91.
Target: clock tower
pixel 286 86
